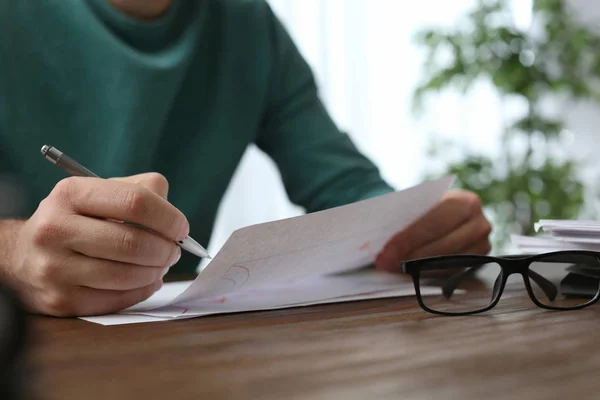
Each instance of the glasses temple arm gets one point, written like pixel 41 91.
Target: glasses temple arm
pixel 590 272
pixel 547 287
pixel 450 284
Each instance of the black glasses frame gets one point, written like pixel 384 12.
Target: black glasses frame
pixel 509 264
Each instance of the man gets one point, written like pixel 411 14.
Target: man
pixel 166 95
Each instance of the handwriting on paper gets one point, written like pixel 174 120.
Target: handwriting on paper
pixel 267 264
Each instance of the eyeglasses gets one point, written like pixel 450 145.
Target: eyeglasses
pixel 562 280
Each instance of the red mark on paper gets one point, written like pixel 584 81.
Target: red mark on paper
pixel 217 300
pixel 366 246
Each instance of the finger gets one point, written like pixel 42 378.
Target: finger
pixel 153 181
pixel 120 242
pixel 472 233
pixel 454 210
pixel 79 270
pixel 83 301
pixel 122 201
pixel 110 301
pixel 441 273
pixel 468 235
pixel 481 248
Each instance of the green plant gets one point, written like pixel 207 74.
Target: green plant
pixel 525 180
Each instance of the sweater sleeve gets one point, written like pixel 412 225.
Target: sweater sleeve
pixel 320 166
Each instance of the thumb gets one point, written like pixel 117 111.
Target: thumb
pixel 152 181
pixel 396 250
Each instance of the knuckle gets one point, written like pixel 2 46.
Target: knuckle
pixel 472 201
pixel 158 180
pixel 65 189
pixel 123 276
pixel 175 225
pixel 58 303
pixel 47 231
pixel 486 228
pixel 155 182
pixel 49 269
pixel 131 244
pixel 171 254
pixel 133 202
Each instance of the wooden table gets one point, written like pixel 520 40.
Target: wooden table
pixel 361 350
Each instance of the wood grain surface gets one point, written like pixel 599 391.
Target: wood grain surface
pixel 361 350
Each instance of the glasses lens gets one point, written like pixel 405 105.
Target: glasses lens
pixel 565 280
pixel 471 287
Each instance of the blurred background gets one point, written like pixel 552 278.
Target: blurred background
pixel 502 93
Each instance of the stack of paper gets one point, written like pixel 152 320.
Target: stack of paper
pixel 311 259
pixel 558 235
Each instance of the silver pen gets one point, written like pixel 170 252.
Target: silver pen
pixel 71 166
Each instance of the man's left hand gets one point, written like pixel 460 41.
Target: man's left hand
pixel 456 225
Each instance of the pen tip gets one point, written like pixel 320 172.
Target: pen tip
pixel 45 149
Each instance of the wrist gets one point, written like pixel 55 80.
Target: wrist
pixel 9 233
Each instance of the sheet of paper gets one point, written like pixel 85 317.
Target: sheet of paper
pixel 579 239
pixel 557 235
pixel 550 225
pixel 325 242
pixel 360 285
pixel 266 257
pixel 309 290
pixel 536 244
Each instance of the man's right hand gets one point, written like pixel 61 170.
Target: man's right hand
pixel 72 258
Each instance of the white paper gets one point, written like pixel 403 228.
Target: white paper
pixel 266 257
pixel 556 235
pixel 360 285
pixel 580 239
pixel 537 245
pixel 568 225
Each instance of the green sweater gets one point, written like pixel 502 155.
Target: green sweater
pixel 183 95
